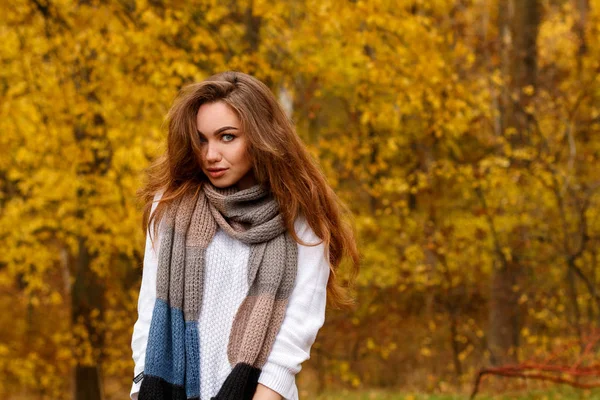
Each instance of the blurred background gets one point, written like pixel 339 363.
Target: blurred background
pixel 464 135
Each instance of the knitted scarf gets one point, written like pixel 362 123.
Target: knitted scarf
pixel 172 353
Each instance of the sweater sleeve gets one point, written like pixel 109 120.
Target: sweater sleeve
pixel 145 307
pixel 304 316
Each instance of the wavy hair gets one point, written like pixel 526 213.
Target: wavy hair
pixel 281 162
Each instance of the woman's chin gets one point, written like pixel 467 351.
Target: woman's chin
pixel 220 184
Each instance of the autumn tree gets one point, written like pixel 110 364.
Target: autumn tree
pixel 462 134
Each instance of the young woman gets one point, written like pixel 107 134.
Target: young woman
pixel 249 237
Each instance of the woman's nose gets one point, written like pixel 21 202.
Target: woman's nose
pixel 212 153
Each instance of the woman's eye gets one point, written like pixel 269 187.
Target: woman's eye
pixel 227 137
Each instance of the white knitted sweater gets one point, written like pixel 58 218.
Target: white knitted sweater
pixel 225 288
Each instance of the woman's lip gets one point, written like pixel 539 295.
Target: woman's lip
pixel 217 172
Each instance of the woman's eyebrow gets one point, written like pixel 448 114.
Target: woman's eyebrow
pixel 225 128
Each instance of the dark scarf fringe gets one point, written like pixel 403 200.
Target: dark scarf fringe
pixel 240 384
pixel 155 388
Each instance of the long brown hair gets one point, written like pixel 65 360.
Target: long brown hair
pixel 281 162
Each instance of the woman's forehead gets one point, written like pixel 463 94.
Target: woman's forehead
pixel 212 117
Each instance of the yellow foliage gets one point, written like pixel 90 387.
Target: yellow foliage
pixel 395 99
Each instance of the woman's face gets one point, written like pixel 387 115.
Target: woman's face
pixel 224 158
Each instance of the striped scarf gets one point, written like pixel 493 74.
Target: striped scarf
pixel 172 353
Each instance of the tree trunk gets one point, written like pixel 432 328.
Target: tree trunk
pixel 518 26
pixel 504 324
pixel 88 385
pixel 86 296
